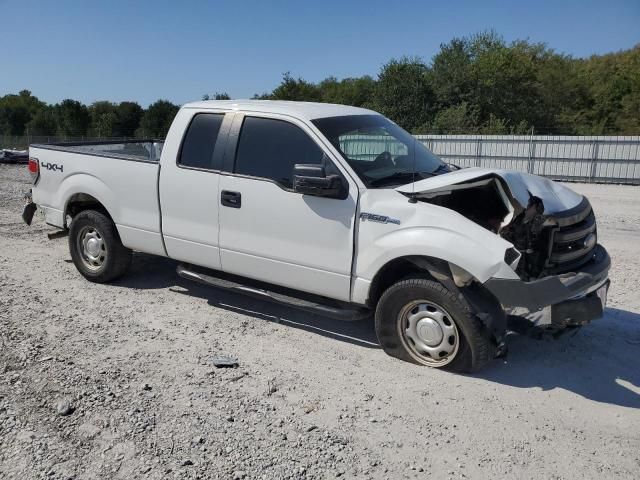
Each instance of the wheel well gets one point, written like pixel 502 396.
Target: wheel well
pixel 390 273
pixel 449 274
pixel 486 306
pixel 83 201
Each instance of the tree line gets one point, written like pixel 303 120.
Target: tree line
pixel 476 84
pixel 25 115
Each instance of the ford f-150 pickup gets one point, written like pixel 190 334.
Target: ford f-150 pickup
pixel 335 210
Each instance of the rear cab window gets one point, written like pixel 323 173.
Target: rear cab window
pixel 200 141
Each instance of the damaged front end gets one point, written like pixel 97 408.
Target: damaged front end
pixel 562 269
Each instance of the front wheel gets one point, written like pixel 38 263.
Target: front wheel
pixel 421 321
pixel 95 247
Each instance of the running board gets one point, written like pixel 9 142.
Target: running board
pixel 347 313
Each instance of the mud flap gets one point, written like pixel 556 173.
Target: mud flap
pixel 28 212
pixel 490 313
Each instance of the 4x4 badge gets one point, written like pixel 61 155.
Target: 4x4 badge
pixel 51 166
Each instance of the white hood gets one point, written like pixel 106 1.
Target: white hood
pixel 555 197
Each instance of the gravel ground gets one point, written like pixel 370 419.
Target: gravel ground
pixel 117 381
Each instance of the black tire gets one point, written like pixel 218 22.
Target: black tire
pixel 117 257
pixel 474 345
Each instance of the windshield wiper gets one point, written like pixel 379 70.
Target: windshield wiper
pixel 442 166
pixel 399 176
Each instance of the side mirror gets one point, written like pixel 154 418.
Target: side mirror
pixel 313 180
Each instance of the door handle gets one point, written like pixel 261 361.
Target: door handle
pixel 231 199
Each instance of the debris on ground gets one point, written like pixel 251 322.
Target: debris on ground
pixel 224 361
pixel 64 407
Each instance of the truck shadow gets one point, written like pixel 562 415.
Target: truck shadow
pixel 598 362
pixel 152 272
pixel 360 333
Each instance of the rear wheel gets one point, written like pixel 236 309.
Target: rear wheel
pixel 95 247
pixel 421 321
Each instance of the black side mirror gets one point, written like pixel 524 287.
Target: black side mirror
pixel 313 180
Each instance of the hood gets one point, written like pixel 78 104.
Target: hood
pixel 555 197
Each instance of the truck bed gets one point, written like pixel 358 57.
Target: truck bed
pixel 108 172
pixel 137 150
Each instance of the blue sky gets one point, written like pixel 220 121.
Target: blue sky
pixel 145 50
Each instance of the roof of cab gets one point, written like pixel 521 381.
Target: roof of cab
pixel 303 110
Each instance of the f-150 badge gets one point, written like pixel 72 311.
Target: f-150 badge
pixel 372 217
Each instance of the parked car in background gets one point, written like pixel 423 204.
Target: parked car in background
pixel 14 156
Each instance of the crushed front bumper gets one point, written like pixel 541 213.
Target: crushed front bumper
pixel 573 298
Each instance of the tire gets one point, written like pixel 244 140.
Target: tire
pixel 96 249
pixel 442 314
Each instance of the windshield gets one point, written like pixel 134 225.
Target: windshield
pixel 379 151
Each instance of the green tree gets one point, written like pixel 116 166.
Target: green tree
pixel 295 89
pixel 102 119
pixel 72 118
pixel 507 83
pixel 157 119
pixel 450 74
pixel 128 116
pixel 562 94
pixel 508 86
pixel 16 111
pixel 494 126
pixel 457 119
pixel 628 122
pixel 217 96
pixel 404 94
pixel 43 123
pixel 613 83
pixel 357 92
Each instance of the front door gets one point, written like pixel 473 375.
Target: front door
pixel 271 233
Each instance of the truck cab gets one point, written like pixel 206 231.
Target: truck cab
pixel 337 210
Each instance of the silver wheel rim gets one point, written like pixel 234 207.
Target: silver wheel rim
pixel 92 248
pixel 429 333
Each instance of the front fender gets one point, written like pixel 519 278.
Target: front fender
pixel 482 256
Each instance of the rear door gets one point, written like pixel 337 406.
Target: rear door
pixel 188 187
pixel 271 233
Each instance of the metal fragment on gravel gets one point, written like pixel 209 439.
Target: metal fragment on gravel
pixel 224 361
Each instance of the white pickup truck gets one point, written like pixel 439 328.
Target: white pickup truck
pixel 335 210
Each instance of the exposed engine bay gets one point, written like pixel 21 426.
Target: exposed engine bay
pixel 488 201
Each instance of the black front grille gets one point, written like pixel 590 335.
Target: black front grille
pixel 573 240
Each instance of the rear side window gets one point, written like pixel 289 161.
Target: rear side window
pixel 270 148
pixel 200 141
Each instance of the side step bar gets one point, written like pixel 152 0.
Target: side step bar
pixel 347 313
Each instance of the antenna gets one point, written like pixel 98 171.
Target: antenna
pixel 412 198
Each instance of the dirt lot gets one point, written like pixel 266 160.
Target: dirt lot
pixel 312 398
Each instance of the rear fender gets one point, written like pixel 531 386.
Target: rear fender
pixel 83 183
